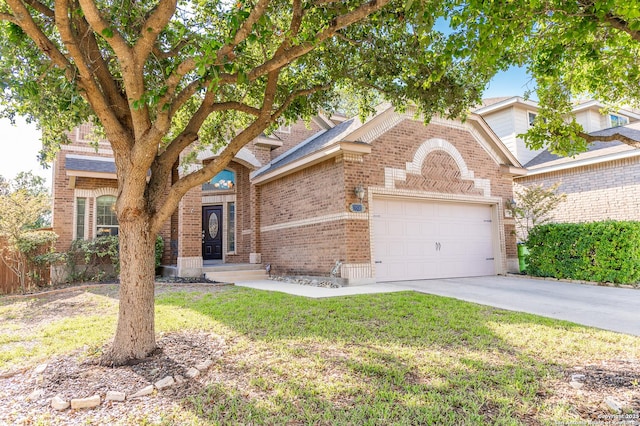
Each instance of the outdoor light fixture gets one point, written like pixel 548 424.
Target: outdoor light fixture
pixel 359 191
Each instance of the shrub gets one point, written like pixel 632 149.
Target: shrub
pixel 159 250
pixel 606 251
pixel 533 206
pixel 99 259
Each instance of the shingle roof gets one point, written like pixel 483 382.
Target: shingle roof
pixel 313 144
pixel 594 149
pixel 74 162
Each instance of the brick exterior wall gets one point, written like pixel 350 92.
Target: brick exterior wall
pixel 300 223
pixel 312 193
pixel 305 222
pixel 63 194
pixel 597 192
pixel 439 172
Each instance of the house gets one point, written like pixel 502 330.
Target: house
pixel 512 116
pixel 388 199
pixel 601 183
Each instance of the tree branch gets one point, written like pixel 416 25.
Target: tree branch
pixel 243 32
pixel 39 7
pixel 9 17
pixel 152 27
pixel 132 70
pixel 611 138
pixel 305 92
pixel 109 33
pixel 92 91
pixel 25 21
pixel 615 21
pixel 161 54
pixel 289 55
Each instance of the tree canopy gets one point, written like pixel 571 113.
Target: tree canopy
pixel 165 78
pixel 24 207
pixel 572 49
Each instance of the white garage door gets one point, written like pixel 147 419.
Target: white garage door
pixel 415 239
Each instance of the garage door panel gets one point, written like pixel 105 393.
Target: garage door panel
pixel 421 239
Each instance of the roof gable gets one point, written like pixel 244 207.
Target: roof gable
pixel 354 135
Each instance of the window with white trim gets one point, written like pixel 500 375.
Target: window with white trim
pixel 618 120
pixel 231 227
pixel 531 118
pixel 106 219
pixel 81 218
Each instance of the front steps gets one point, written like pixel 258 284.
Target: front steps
pixel 232 273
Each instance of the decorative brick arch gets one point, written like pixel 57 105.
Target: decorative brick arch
pixel 426 148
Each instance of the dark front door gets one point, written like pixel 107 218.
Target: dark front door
pixel 212 232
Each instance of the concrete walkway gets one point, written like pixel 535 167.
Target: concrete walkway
pixel 608 308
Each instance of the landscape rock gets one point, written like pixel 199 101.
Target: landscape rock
pixel 90 402
pixel 57 403
pixel 577 377
pixel 192 373
pixel 613 405
pixel 165 383
pixel 147 390
pixel 575 385
pixel 40 369
pixel 179 379
pixel 202 366
pixel 115 396
pixel 35 394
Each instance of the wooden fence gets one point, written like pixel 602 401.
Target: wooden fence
pixel 9 281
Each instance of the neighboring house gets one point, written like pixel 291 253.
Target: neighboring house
pixel 388 199
pixel 602 183
pixel 510 117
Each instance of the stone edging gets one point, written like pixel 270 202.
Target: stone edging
pixel 60 404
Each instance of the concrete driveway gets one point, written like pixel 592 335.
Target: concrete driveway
pixel 609 308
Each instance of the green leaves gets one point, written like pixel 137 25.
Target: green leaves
pixel 606 251
pixel 107 32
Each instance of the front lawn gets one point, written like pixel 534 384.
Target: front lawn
pixel 400 358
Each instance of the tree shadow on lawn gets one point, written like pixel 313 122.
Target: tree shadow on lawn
pixel 388 358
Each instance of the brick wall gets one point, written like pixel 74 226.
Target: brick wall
pixel 311 194
pixel 63 195
pixel 304 216
pixel 439 172
pixel 598 192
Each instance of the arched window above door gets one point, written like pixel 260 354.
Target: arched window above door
pixel 223 181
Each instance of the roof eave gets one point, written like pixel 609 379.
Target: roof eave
pixel 327 153
pixel 539 170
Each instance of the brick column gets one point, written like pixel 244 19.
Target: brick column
pixel 255 256
pixel 189 262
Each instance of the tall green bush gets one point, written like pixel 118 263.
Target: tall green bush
pixel 606 251
pixel 99 259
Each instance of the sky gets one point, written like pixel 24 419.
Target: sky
pixel 20 144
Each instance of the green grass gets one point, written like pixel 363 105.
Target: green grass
pixel 400 358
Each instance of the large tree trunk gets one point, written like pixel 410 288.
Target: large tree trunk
pixel 135 333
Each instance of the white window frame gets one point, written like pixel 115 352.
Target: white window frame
pixel 95 213
pixel 609 119
pixel 228 228
pixel 87 206
pixel 284 129
pixel 529 122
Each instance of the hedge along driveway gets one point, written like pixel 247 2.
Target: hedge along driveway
pixel 608 308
